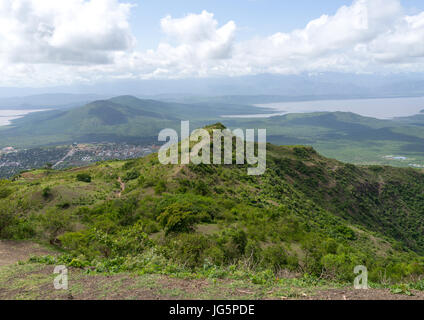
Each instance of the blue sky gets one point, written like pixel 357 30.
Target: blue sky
pixel 253 17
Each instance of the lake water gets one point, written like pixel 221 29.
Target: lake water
pixel 7 115
pixel 377 108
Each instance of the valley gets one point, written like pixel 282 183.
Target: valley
pixel 13 162
pixel 127 120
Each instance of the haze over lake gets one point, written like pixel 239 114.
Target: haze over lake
pixel 6 116
pixel 386 108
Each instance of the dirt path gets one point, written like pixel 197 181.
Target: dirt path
pixel 13 251
pixel 122 184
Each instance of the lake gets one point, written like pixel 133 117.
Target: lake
pixel 7 115
pixel 386 108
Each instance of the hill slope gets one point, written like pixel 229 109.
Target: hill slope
pixel 123 118
pixel 306 213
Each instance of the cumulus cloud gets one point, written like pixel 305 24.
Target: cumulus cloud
pixel 199 36
pixel 195 46
pixel 89 40
pixel 366 36
pixel 341 42
pixel 63 32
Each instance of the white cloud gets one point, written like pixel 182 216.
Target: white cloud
pixel 63 32
pixel 50 41
pixel 339 42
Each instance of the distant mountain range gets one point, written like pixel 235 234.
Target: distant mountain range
pixel 47 101
pixel 259 87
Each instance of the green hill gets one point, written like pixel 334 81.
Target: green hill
pixel 346 136
pixel 307 214
pixel 124 118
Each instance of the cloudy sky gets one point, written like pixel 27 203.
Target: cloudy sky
pixel 50 42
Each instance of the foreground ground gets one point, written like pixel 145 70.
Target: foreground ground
pixel 20 280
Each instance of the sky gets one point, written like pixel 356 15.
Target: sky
pixel 50 42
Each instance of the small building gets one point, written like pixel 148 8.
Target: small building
pixel 8 150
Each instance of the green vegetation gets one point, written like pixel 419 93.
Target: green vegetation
pixel 84 177
pixel 120 119
pixel 307 214
pixel 341 135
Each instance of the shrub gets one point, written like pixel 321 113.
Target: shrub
pixel 177 218
pixel 5 192
pixel 129 164
pixel 201 188
pixel 131 175
pixel 345 233
pixel 84 177
pixel 6 220
pixel 63 205
pixel 189 249
pixel 233 243
pixel 160 187
pixel 274 257
pixel 303 152
pixel 55 222
pixel 47 193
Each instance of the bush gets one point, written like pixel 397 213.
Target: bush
pixel 303 152
pixel 201 188
pixel 233 243
pixel 7 219
pixel 189 249
pixel 55 222
pixel 47 193
pixel 84 177
pixel 5 192
pixel 160 187
pixel 131 175
pixel 177 218
pixel 274 257
pixel 345 233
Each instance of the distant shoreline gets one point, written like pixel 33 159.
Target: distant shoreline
pixel 7 116
pixel 379 108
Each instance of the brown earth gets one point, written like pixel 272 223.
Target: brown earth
pixel 122 185
pixel 370 294
pixel 14 251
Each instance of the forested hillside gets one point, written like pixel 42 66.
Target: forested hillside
pixel 307 214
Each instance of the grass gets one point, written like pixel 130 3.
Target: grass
pixel 35 281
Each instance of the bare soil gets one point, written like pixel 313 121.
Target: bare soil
pixel 370 294
pixel 14 251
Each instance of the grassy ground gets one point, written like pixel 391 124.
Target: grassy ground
pixel 21 280
pixel 35 282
